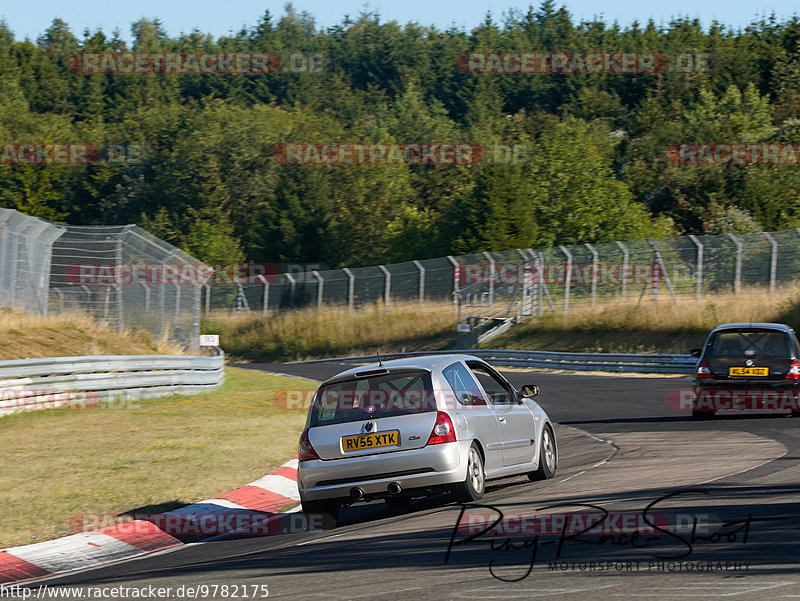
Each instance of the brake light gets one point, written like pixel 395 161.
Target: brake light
pixel 794 371
pixel 305 452
pixel 443 430
pixel 702 369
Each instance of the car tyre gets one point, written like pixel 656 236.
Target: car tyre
pixel 548 457
pixel 328 508
pixel 474 485
pixel 701 415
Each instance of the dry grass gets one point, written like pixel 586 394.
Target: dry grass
pixel 624 327
pixel 159 454
pixel 334 331
pixel 71 334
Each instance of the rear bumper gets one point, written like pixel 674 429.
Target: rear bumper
pixel 430 466
pixel 722 395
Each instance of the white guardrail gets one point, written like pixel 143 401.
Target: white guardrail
pixel 615 362
pixel 83 382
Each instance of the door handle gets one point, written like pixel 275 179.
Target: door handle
pixel 502 420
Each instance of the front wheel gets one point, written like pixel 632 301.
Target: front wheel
pixel 473 486
pixel 548 457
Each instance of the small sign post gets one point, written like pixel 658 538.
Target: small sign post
pixel 209 340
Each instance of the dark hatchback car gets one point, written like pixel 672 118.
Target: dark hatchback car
pixel 747 366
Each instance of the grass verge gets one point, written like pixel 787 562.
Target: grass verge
pixel 335 331
pixel 28 336
pixel 160 452
pixel 624 327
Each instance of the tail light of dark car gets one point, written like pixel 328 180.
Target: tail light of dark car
pixel 443 430
pixel 305 452
pixel 794 371
pixel 702 369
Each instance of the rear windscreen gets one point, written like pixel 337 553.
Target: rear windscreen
pixel 747 343
pixel 389 395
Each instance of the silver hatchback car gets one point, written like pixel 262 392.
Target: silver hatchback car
pixel 419 426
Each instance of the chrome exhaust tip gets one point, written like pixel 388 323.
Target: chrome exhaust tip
pixel 356 493
pixel 394 488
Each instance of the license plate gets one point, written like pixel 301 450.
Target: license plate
pixel 748 371
pixel 371 441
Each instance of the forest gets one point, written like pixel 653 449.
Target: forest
pixel 585 157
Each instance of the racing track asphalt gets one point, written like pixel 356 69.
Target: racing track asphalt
pixel 621 448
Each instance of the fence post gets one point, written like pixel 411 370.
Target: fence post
pixel 177 303
pixel 543 289
pixel 663 267
pixel 292 283
pixel 387 288
pixel 594 272
pixel 456 286
pixel 421 285
pixel 773 262
pixel 60 299
pixel 698 271
pixel 351 288
pixel 567 277
pixel 737 281
pixel 320 287
pixel 265 304
pixel 492 276
pixel 207 288
pixel 625 258
pixel 118 288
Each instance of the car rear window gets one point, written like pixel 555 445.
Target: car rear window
pixel 374 397
pixel 749 343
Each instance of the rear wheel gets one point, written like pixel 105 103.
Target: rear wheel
pixel 547 457
pixel 473 486
pixel 701 415
pixel 326 507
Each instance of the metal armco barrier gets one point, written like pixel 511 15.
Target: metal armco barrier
pixel 85 382
pixel 615 362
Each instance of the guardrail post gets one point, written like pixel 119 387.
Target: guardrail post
pixel 387 287
pixel 320 287
pixel 456 286
pixel 207 289
pixel 492 277
pixel 625 258
pixel 737 274
pixel 773 262
pixel 421 285
pixel 594 271
pixel 698 271
pixel 265 303
pixel 351 288
pixel 567 277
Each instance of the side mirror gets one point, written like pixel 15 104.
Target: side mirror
pixel 696 352
pixel 529 391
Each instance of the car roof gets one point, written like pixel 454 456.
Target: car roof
pixel 734 326
pixel 426 362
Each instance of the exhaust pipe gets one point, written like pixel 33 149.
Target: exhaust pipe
pixel 356 493
pixel 394 488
